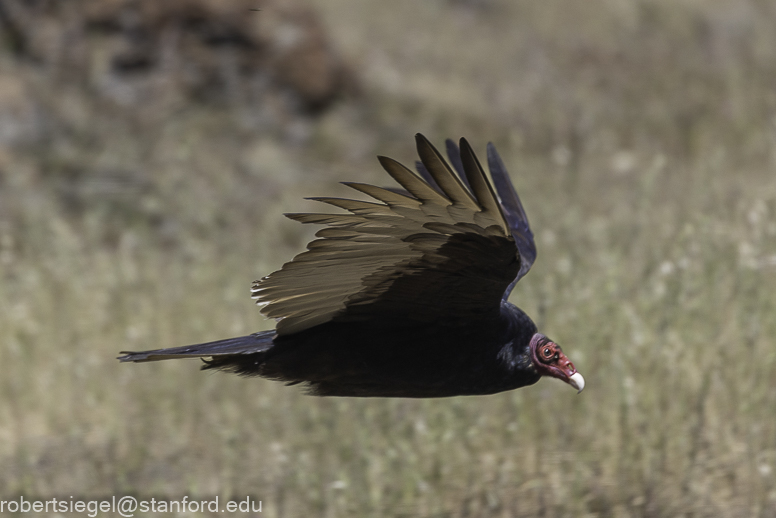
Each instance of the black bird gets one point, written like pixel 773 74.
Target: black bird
pixel 403 297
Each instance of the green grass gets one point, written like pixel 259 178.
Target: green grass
pixel 642 139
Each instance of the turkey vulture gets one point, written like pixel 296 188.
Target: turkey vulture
pixel 405 296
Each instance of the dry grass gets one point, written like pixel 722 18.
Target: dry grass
pixel 642 137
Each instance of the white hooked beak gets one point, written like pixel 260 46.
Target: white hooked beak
pixel 577 381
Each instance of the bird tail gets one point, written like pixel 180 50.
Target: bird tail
pixel 255 343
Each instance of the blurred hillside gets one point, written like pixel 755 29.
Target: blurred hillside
pixel 88 88
pixel 148 149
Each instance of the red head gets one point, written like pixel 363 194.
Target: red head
pixel 549 360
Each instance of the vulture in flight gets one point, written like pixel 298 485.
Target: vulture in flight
pixel 403 296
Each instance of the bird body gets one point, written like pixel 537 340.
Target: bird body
pixel 402 298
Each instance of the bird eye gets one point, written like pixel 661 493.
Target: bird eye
pixel 547 352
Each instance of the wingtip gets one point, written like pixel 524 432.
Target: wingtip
pixel 467 148
pixel 494 159
pixel 464 148
pixel 422 142
pixel 385 160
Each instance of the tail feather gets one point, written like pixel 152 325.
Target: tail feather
pixel 255 343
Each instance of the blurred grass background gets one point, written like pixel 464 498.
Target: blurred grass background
pixel 642 139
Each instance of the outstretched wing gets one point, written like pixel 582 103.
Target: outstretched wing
pixel 443 251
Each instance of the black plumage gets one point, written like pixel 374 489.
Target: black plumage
pixel 402 297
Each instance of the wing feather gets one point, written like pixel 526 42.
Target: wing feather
pixel 390 198
pixel 480 185
pixel 414 185
pixel 356 206
pixel 423 172
pixel 454 154
pixel 439 170
pixel 514 212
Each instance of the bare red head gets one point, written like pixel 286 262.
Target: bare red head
pixel 549 360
